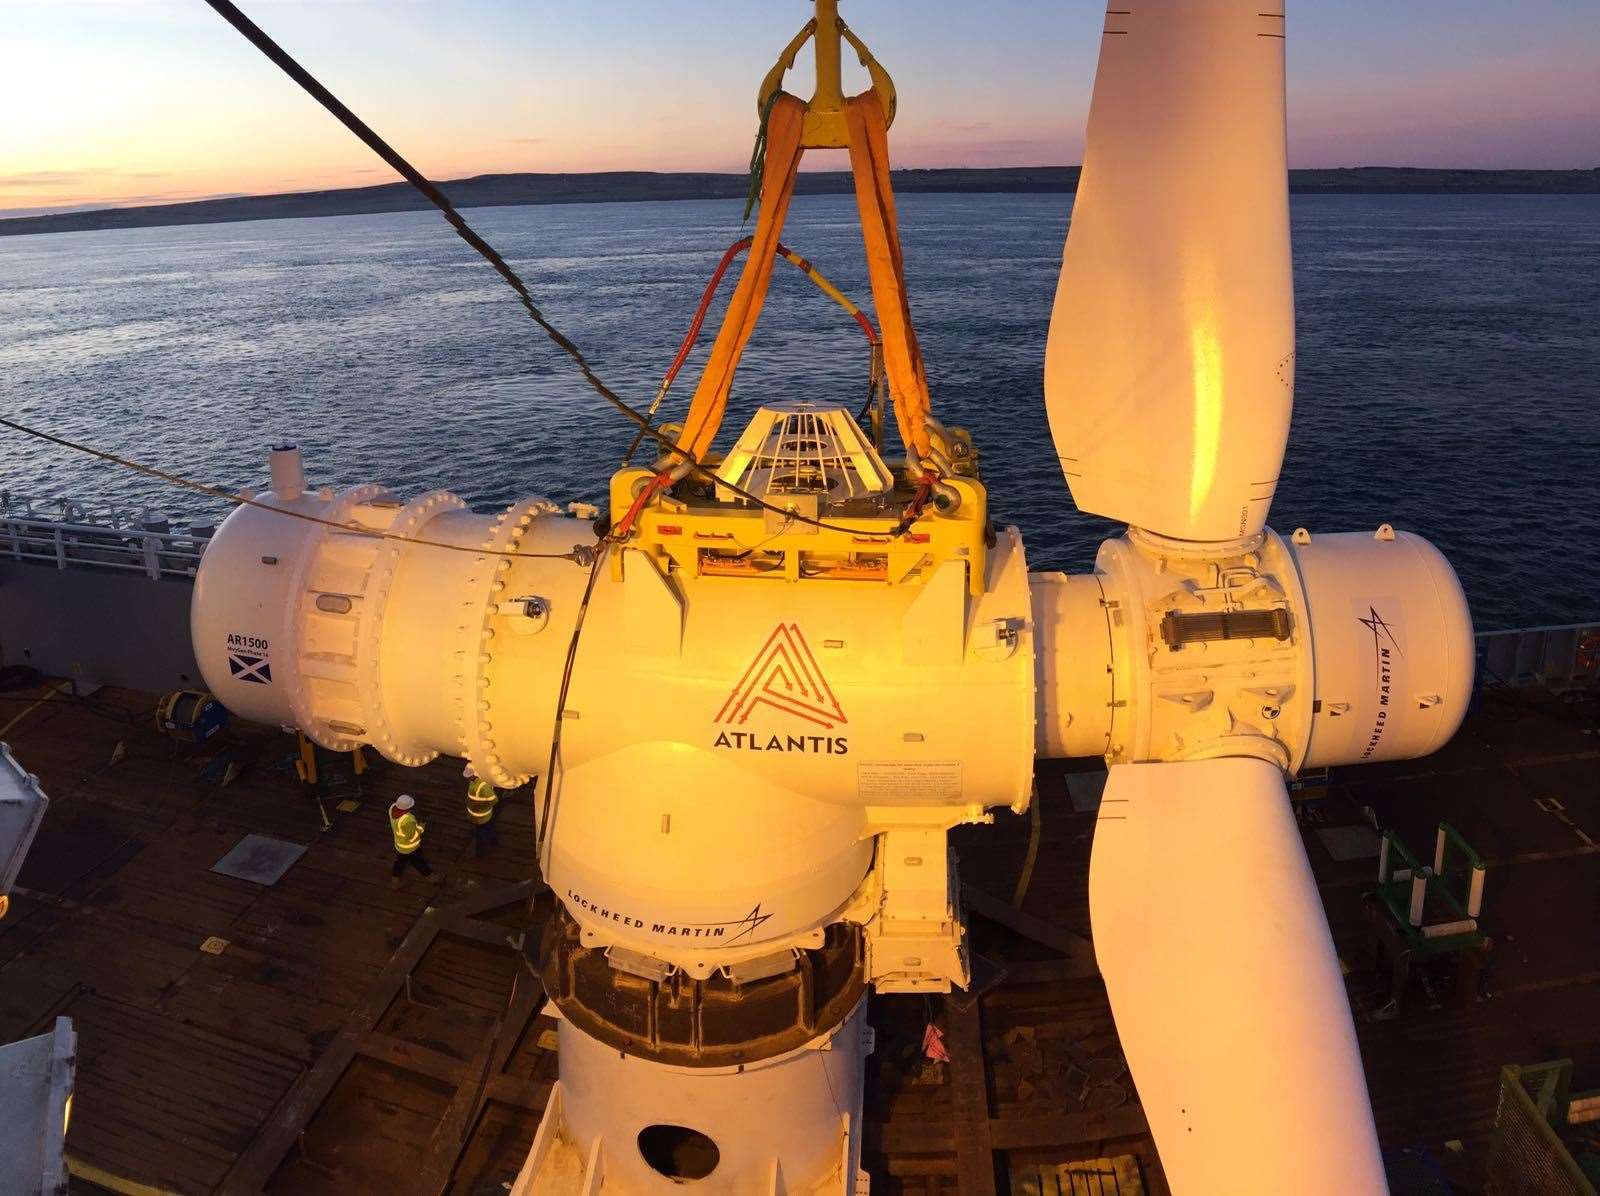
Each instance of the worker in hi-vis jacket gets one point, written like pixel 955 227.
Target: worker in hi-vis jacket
pixel 482 799
pixel 407 832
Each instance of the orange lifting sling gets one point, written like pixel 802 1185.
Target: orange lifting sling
pixel 866 128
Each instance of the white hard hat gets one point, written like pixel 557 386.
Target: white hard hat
pixel 404 802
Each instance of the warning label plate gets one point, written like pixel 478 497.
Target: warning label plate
pixel 900 780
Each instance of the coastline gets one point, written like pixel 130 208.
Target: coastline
pixel 499 190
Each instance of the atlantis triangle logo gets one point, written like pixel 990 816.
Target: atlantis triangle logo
pixel 784 678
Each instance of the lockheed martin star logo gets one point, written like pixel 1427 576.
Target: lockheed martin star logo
pixel 1384 655
pixel 785 676
pixel 749 924
pixel 1379 628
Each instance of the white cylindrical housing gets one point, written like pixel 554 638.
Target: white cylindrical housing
pixel 361 619
pixel 797 1116
pixel 1175 650
pixel 238 614
pixel 1392 638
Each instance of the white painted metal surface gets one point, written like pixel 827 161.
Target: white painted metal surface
pixel 1074 690
pixel 807 1105
pixel 1228 996
pixel 36 1081
pixel 22 808
pixel 1393 643
pixel 1374 661
pixel 1169 373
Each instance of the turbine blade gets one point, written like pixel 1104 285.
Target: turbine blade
pixel 1224 983
pixel 1169 371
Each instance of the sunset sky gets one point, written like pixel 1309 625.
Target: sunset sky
pixel 140 101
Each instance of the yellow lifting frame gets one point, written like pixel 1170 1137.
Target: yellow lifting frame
pixel 676 534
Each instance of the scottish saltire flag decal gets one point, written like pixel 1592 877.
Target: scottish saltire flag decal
pixel 250 668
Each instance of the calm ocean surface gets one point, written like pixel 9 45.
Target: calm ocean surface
pixel 1448 355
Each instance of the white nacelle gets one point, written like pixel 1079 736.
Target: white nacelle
pixel 357 639
pixel 730 748
pixel 1323 650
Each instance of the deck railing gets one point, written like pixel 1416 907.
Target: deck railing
pixel 1564 656
pixel 71 510
pixel 64 533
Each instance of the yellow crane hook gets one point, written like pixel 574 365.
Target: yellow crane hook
pixel 824 123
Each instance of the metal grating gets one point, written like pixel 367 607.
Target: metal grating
pixel 1526 1155
pixel 1178 629
pixel 1119 1176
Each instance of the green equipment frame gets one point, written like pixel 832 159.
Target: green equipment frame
pixel 1422 912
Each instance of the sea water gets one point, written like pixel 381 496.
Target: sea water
pixel 1448 375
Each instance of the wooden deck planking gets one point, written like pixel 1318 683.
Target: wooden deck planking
pixel 368 1135
pixel 450 1136
pixel 170 1103
pixel 969 1090
pixel 123 896
pixel 496 1151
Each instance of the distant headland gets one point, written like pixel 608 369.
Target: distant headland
pixel 494 190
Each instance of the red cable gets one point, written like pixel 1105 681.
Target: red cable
pixel 695 325
pixel 660 481
pixel 693 334
pixel 919 499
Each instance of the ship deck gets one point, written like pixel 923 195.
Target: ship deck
pixel 340 1035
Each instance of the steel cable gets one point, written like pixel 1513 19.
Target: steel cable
pixel 280 57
